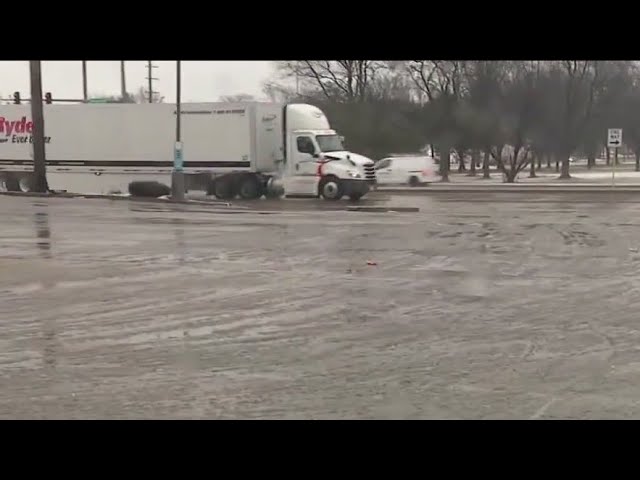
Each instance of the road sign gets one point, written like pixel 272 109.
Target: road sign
pixel 614 138
pixel 178 159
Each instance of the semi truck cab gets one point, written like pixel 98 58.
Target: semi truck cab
pixel 316 162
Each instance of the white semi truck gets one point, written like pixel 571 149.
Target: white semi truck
pixel 244 149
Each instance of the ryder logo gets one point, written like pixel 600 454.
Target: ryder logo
pixel 19 131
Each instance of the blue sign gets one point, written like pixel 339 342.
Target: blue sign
pixel 178 159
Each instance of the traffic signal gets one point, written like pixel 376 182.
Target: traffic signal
pixel 16 98
pixel 47 98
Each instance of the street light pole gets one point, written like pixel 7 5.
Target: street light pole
pixel 177 175
pixel 178 100
pixel 37 116
pixel 123 82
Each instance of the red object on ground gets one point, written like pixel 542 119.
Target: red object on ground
pixel 369 262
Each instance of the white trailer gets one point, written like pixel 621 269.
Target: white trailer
pixel 248 149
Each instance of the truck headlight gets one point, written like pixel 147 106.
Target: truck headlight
pixel 354 174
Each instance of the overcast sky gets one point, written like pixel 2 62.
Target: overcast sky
pixel 201 81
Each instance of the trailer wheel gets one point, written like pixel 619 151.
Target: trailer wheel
pixel 9 183
pixel 331 188
pixel 224 189
pixel 249 188
pixel 211 187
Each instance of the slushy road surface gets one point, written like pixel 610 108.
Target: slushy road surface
pixel 515 307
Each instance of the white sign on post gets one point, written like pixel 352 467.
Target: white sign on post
pixel 614 138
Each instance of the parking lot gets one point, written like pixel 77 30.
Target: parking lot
pixel 477 306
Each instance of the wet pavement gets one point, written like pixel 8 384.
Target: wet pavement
pixel 521 306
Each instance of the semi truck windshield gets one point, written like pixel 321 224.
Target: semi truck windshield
pixel 329 143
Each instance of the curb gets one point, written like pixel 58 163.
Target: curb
pixel 382 209
pixel 231 208
pixel 495 189
pixel 117 197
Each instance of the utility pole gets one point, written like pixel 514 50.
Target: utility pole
pixel 37 116
pixel 178 99
pixel 123 83
pixel 150 67
pixel 85 95
pixel 177 176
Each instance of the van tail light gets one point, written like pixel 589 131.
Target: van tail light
pixel 426 172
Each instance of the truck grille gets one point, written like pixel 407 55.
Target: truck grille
pixel 370 172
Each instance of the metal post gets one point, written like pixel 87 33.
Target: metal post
pixel 37 116
pixel 178 100
pixel 150 73
pixel 177 175
pixel 613 171
pixel 123 83
pixel 85 94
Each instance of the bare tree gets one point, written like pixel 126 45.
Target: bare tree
pixel 572 90
pixel 484 102
pixel 508 112
pixel 372 103
pixel 520 108
pixel 444 82
pixel 336 80
pixel 394 83
pixel 612 96
pixel 630 117
pixel 141 95
pixel 277 92
pixel 439 77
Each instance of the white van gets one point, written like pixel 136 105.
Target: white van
pixel 407 170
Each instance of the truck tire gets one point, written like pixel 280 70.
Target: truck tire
pixel 330 188
pixel 211 187
pixel 9 183
pixel 249 188
pixel 149 189
pixel 25 183
pixel 272 195
pixel 224 189
pixel 414 181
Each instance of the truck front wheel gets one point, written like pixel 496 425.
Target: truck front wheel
pixel 331 188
